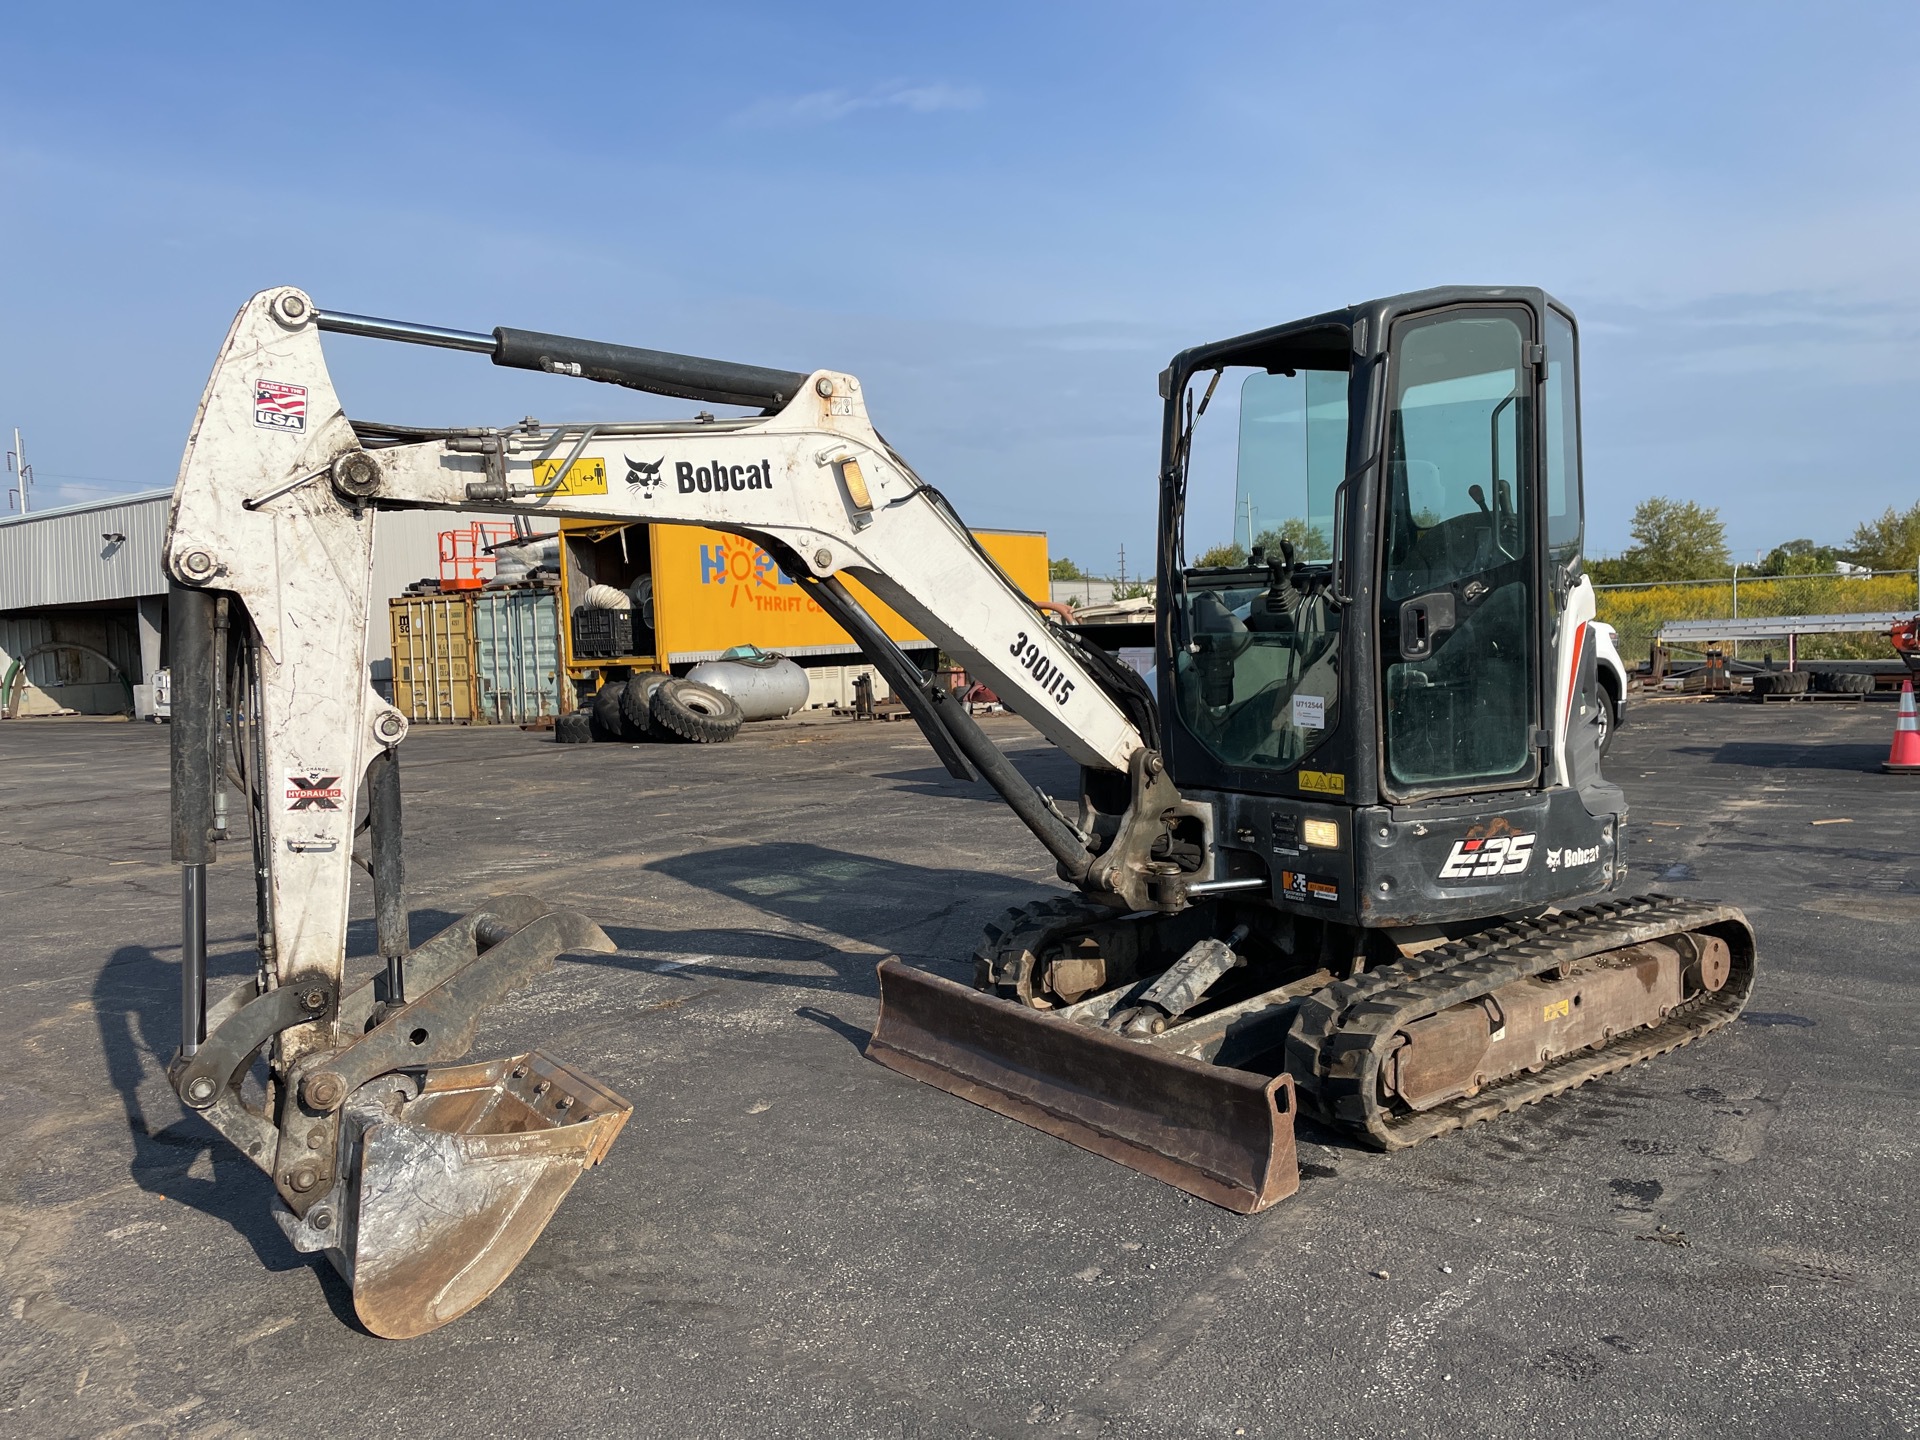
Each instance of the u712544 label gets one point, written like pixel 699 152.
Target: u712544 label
pixel 1046 672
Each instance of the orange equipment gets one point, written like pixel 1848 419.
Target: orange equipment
pixel 1904 758
pixel 466 556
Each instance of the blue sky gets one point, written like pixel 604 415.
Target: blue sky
pixel 1003 218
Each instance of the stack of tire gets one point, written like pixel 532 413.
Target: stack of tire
pixel 653 706
pixel 1780 684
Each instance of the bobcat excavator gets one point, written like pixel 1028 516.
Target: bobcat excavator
pixel 1345 855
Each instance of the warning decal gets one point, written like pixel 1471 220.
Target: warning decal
pixel 279 406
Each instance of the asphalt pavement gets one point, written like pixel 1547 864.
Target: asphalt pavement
pixel 791 1240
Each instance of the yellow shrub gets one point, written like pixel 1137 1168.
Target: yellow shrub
pixel 1639 612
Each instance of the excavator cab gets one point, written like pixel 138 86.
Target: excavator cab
pixel 1398 623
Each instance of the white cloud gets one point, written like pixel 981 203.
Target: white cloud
pixel 820 107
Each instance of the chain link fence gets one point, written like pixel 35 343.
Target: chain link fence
pixel 1638 611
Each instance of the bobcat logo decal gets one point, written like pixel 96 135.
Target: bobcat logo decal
pixel 644 475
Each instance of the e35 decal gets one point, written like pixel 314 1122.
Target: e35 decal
pixel 1475 859
pixel 1046 674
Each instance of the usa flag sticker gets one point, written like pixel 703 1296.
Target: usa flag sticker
pixel 279 406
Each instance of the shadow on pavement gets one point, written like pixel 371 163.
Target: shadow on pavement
pixel 1760 755
pixel 924 912
pixel 136 1003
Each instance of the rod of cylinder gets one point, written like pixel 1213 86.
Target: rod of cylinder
pixel 389 871
pixel 950 730
pixel 403 331
pixel 193 957
pixel 1021 795
pixel 1227 887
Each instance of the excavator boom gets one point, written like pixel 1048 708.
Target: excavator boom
pixel 364 1130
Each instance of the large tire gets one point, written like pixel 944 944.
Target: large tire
pixel 1843 682
pixel 607 719
pixel 574 729
pixel 1779 682
pixel 636 702
pixel 695 712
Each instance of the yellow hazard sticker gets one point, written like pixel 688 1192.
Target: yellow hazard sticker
pixel 1323 781
pixel 584 477
pixel 1556 1010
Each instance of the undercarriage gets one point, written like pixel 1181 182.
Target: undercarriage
pixel 1245 1012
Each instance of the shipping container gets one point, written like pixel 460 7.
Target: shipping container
pixel 433 659
pixel 516 641
pixel 705 591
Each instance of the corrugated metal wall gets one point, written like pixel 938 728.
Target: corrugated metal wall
pixel 61 557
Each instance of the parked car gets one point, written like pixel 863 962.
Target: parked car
pixel 1613 682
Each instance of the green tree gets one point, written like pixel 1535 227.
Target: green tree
pixel 1065 569
pixel 1610 570
pixel 1799 557
pixel 1890 543
pixel 1676 540
pixel 1221 556
pixel 1306 538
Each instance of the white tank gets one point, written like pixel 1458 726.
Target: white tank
pixel 764 686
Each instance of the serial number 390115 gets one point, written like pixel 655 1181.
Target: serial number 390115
pixel 1045 672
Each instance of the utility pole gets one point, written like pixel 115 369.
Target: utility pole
pixel 1121 583
pixel 17 463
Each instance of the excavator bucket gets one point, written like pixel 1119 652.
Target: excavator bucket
pixel 451 1185
pixel 443 1174
pixel 1222 1134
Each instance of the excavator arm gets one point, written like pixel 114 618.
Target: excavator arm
pixel 425 1181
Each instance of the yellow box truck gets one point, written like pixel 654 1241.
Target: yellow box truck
pixel 699 592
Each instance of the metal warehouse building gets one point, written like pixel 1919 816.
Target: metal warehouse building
pixel 83 599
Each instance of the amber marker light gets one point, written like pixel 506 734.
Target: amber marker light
pixel 1323 833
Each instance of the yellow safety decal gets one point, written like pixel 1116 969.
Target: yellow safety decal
pixel 584 477
pixel 1324 781
pixel 1557 1010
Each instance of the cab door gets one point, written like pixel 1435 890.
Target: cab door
pixel 1459 550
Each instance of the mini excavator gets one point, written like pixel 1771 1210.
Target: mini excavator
pixel 1349 853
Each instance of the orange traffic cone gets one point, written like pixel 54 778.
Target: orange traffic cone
pixel 1904 758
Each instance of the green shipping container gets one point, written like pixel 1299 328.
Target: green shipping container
pixel 516 643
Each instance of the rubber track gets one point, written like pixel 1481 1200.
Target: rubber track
pixel 1344 1033
pixel 1026 929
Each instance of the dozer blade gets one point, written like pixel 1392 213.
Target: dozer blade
pixel 449 1188
pixel 1222 1134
